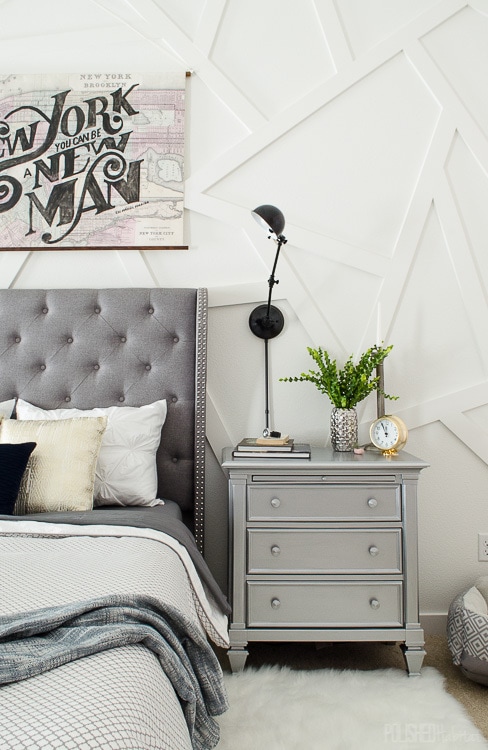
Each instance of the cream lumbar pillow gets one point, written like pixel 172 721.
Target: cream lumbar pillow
pixel 126 472
pixel 60 473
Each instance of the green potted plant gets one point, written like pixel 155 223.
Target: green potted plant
pixel 345 388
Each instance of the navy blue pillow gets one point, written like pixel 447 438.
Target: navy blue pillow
pixel 13 462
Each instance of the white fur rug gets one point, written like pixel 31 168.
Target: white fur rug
pixel 275 708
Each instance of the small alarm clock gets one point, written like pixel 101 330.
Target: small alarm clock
pixel 389 434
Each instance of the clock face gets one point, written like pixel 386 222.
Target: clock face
pixel 388 433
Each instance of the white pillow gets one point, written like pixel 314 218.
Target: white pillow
pixel 6 408
pixel 61 470
pixel 126 470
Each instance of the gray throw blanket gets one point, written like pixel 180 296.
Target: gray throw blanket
pixel 35 642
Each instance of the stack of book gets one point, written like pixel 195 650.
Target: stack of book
pixel 283 447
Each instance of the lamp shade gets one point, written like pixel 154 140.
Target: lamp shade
pixel 270 218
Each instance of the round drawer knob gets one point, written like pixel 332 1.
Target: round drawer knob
pixel 374 604
pixel 372 502
pixel 276 502
pixel 373 551
pixel 275 550
pixel 275 603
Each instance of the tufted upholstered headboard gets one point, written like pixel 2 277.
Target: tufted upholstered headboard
pixel 84 348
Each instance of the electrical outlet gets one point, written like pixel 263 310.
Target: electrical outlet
pixel 483 547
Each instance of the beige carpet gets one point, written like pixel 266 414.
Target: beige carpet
pixel 472 696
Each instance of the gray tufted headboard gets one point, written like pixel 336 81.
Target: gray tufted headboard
pixel 84 348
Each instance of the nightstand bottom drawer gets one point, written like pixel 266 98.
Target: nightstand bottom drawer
pixel 324 604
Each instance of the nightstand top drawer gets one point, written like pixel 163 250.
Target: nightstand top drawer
pixel 324 503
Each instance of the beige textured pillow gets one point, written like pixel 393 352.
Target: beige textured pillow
pixel 61 471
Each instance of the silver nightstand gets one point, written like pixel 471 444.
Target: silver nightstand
pixel 324 549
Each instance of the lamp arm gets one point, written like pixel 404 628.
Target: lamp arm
pixel 272 281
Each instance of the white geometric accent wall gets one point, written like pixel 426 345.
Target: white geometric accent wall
pixel 366 122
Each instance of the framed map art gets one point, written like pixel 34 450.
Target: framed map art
pixel 92 160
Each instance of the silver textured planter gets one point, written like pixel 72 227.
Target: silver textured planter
pixel 343 429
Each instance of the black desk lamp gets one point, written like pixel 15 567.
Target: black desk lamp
pixel 267 321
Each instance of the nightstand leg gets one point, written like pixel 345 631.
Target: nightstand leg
pixel 413 658
pixel 237 658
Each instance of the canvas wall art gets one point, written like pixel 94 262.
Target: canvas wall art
pixel 93 160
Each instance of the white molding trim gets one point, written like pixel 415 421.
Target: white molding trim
pixel 11 264
pixel 136 268
pixel 158 28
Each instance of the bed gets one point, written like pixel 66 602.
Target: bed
pixel 108 611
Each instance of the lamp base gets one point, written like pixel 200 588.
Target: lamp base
pixel 266 326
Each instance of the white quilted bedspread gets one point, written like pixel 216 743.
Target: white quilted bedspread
pixel 118 699
pixel 100 560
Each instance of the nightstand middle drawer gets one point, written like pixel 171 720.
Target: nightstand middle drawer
pixel 303 551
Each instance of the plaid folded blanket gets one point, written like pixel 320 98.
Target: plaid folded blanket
pixel 35 642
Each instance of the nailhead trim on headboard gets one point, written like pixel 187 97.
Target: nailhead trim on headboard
pixel 200 404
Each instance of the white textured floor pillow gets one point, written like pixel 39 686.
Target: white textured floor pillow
pixel 126 471
pixel 467 631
